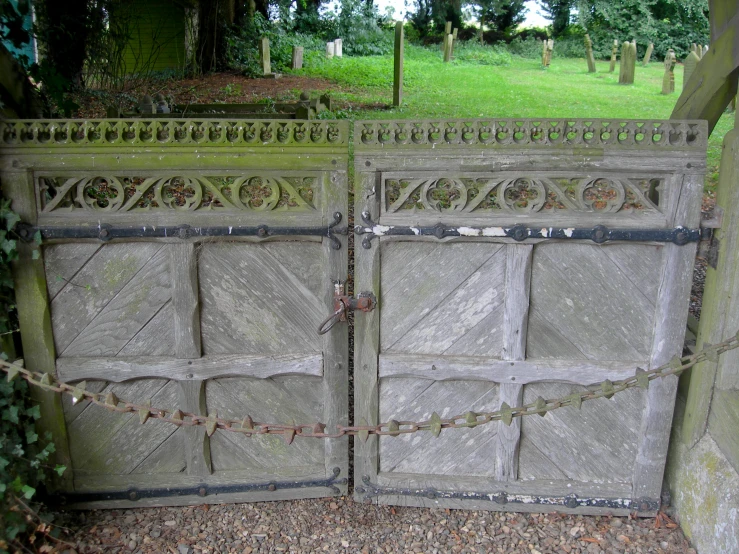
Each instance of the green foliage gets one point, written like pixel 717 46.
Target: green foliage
pixel 23 454
pixel 474 52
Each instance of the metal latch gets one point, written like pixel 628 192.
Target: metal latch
pixel 708 236
pixel 364 302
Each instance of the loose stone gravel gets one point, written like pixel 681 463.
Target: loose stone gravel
pixel 342 525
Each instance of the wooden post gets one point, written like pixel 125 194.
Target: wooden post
pixel 264 56
pixel 34 320
pixel 398 66
pixel 297 61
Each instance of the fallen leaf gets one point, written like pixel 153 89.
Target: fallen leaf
pixel 590 539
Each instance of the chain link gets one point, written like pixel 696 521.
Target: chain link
pixel 393 428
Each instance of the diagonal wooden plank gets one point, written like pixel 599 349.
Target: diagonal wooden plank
pixel 547 340
pixel 62 262
pixel 595 306
pixel 485 339
pixel 168 457
pixel 461 311
pixel 464 451
pixel 99 281
pixel 599 440
pixel 124 316
pixel 641 270
pixel 156 338
pixel 274 400
pixel 400 261
pixel 251 302
pixel 420 292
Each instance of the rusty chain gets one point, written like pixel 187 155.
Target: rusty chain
pixel 249 427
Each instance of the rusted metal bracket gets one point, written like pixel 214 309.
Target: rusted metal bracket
pixel 105 232
pixel 598 234
pixel 371 490
pixel 708 235
pixel 343 304
pixel 205 489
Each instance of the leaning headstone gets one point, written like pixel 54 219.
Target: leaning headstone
pixel 447 32
pixel 264 56
pixel 705 51
pixel 398 66
pixel 628 64
pixel 330 49
pixel 614 56
pixel 689 66
pixel 448 50
pixel 297 62
pixel 589 54
pixel 668 81
pixel 338 48
pixel 648 55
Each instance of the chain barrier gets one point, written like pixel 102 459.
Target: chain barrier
pixel 393 428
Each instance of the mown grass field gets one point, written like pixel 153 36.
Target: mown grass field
pixel 469 87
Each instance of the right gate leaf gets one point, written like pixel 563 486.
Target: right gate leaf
pixel 515 261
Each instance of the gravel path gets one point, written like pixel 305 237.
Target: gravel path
pixel 342 525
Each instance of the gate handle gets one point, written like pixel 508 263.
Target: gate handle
pixel 333 319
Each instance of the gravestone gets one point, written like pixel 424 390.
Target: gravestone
pixel 447 32
pixel 448 48
pixel 614 56
pixel 454 40
pixel 544 53
pixel 705 50
pixel 628 63
pixel 550 49
pixel 648 55
pixel 668 81
pixel 398 69
pixel 338 48
pixel 264 56
pixel 330 49
pixel 694 48
pixel 147 105
pixel 297 62
pixel 689 66
pixel 589 54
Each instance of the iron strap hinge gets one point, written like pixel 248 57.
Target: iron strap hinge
pixel 343 304
pixel 106 232
pixel 598 234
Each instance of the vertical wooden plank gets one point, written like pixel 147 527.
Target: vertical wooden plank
pixel 515 322
pixel 398 65
pixel 185 300
pixel 669 333
pixel 719 296
pixel 35 324
pixel 366 334
pixel 336 341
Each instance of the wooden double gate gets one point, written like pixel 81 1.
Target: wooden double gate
pixel 190 263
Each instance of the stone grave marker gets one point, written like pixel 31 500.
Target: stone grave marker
pixel 543 53
pixel 398 65
pixel 338 48
pixel 264 56
pixel 648 55
pixel 705 50
pixel 330 49
pixel 448 48
pixel 447 32
pixel 297 61
pixel 689 66
pixel 628 64
pixel 454 40
pixel 550 48
pixel 589 54
pixel 668 81
pixel 614 56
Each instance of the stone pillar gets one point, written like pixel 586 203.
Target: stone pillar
pixel 297 62
pixel 589 54
pixel 398 66
pixel 330 49
pixel 448 48
pixel 668 81
pixel 338 48
pixel 614 56
pixel 689 66
pixel 264 56
pixel 648 55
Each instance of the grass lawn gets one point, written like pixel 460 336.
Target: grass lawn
pixel 519 89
